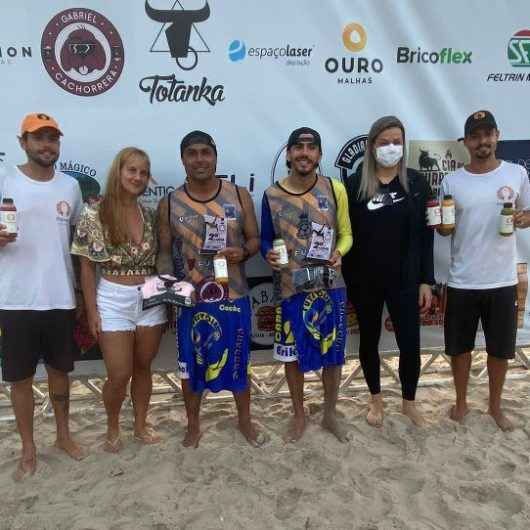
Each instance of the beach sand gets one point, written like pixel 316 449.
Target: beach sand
pixel 397 477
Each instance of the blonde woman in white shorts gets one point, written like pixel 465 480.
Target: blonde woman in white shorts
pixel 118 235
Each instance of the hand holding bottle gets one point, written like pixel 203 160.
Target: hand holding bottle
pixel 6 237
pixel 521 219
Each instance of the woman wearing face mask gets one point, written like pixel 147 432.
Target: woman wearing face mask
pixel 391 260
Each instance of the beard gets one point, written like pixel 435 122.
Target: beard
pixel 43 161
pixel 483 152
pixel 306 171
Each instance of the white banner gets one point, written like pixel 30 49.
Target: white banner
pixel 117 73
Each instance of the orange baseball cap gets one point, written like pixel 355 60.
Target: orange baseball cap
pixel 36 121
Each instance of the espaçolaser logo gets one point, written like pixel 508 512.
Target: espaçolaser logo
pixel 82 52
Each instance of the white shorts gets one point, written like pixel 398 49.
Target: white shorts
pixel 120 308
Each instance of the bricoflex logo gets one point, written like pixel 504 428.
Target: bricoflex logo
pixel 446 56
pixel 287 54
pixel 181 39
pixel 353 68
pixel 518 55
pixel 82 52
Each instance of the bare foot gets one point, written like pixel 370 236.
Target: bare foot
pixel 458 413
pixel 27 465
pixel 502 421
pixel 375 411
pixel 410 410
pixel 296 429
pixel 331 424
pixel 253 436
pixel 113 443
pixel 192 437
pixel 71 448
pixel 147 436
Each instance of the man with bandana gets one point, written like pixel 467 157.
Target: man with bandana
pixel 309 213
pixel 203 219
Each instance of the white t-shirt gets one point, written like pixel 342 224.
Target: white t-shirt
pixel 480 257
pixel 36 269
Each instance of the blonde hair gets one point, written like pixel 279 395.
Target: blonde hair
pixel 369 182
pixel 111 210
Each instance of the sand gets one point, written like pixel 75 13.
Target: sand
pixel 397 477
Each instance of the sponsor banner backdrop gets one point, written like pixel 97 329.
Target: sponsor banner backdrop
pixel 145 73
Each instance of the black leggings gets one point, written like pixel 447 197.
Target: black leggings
pixel 404 312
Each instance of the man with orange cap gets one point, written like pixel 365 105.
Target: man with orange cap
pixel 37 300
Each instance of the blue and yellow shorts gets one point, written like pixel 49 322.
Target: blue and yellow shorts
pixel 213 345
pixel 311 328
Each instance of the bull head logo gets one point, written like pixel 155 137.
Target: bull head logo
pixel 82 52
pixel 178 32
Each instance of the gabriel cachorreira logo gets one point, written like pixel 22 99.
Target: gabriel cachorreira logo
pixel 354 70
pixel 82 52
pixel 183 42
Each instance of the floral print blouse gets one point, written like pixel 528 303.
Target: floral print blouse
pixel 91 240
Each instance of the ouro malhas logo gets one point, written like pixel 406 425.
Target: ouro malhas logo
pixel 358 70
pixel 82 52
pixel 181 40
pixel 287 54
pixel 518 56
pixel 351 156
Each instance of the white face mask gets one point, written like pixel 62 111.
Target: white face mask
pixel 389 155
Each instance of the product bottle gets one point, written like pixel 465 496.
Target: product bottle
pixel 220 267
pixel 279 246
pixel 448 214
pixel 434 213
pixel 506 220
pixel 8 216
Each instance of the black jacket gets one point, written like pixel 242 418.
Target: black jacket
pixel 417 264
